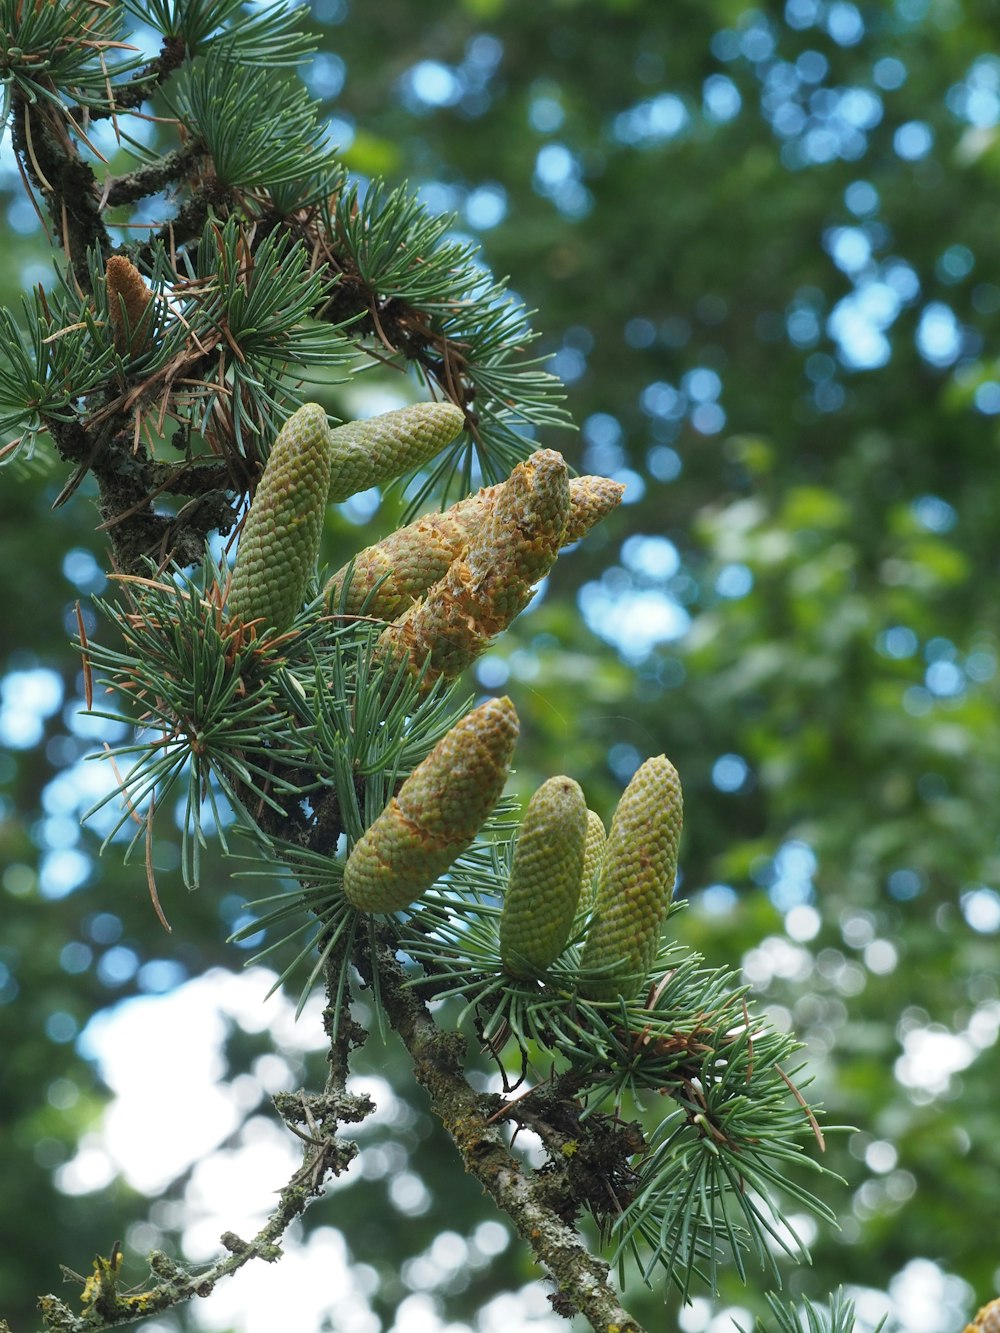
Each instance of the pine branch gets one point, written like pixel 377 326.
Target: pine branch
pixel 128 482
pixel 106 1305
pixel 141 86
pixel 583 1280
pixel 66 183
pixel 252 159
pixel 149 179
pixel 295 727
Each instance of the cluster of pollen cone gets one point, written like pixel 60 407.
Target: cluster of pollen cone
pixel 445 586
pixel 564 864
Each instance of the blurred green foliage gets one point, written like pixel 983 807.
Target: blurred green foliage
pixel 763 245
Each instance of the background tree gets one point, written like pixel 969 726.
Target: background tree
pixel 767 270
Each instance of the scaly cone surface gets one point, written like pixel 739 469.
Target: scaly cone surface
pixel 402 567
pixel 437 813
pixel 408 562
pixel 130 307
pixel 987 1320
pixel 545 878
pixel 636 881
pixel 591 499
pixel 279 544
pixel 482 593
pixel 367 453
pixel 592 859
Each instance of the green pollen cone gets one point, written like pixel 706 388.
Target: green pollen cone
pixel 279 544
pixel 636 881
pixel 368 453
pixel 437 813
pixel 481 593
pixel 592 858
pixel 545 877
pixel 400 569
pixel 408 562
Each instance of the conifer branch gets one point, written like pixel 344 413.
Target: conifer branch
pixel 155 176
pixel 294 720
pixel 107 1305
pixel 582 1279
pixel 62 178
pixel 252 156
pixel 144 82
